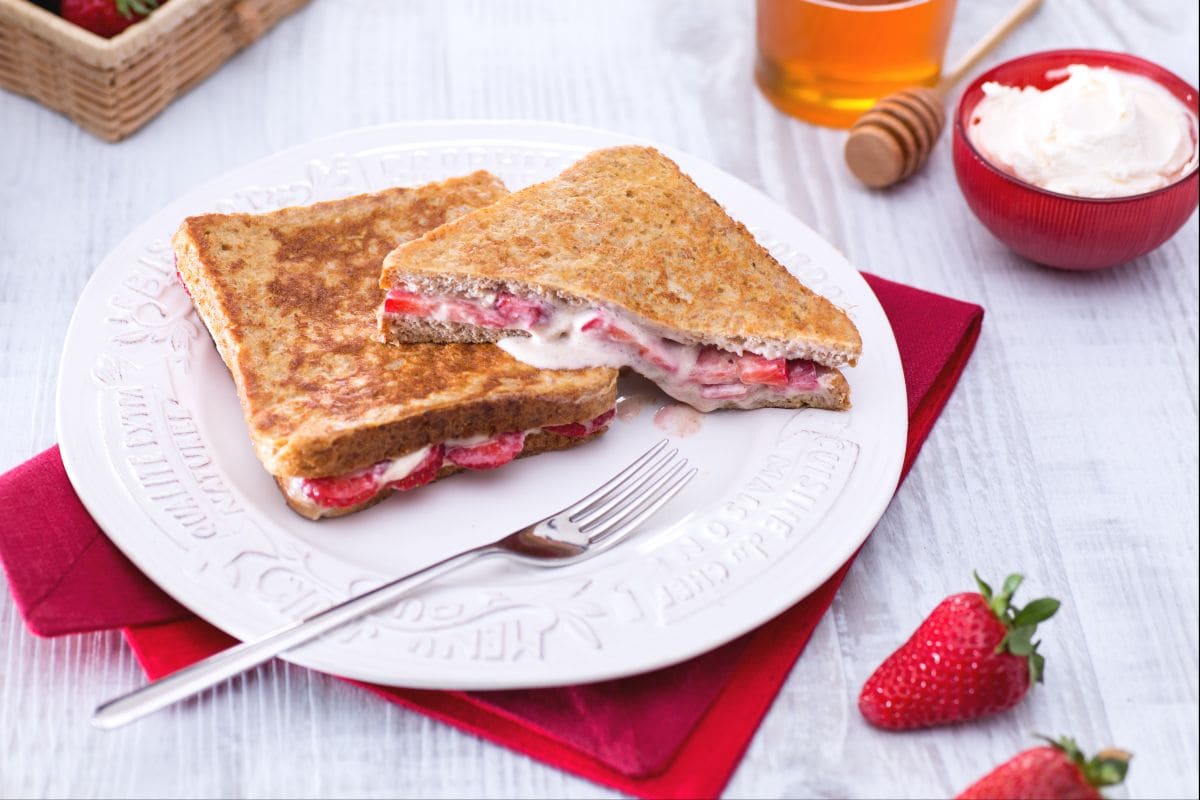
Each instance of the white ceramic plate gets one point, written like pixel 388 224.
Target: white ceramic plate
pixel 154 442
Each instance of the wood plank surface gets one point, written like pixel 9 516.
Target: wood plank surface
pixel 1068 452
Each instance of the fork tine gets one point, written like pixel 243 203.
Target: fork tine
pixel 630 488
pixel 619 510
pixel 615 530
pixel 580 505
pixel 647 461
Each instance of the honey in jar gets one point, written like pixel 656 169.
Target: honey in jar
pixel 828 61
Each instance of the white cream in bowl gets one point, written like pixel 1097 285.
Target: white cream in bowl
pixel 1100 133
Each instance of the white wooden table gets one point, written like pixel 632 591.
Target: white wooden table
pixel 1068 452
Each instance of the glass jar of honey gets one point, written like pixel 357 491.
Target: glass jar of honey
pixel 828 61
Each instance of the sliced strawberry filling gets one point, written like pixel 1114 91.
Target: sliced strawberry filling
pixel 343 491
pixel 756 369
pixel 715 366
pixel 802 376
pixel 179 277
pixel 424 473
pixel 520 311
pixel 578 430
pixel 351 489
pixel 495 452
pixel 718 374
pixel 507 311
pixel 602 326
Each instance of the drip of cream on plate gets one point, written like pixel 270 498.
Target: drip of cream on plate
pixel 1100 133
pixel 678 420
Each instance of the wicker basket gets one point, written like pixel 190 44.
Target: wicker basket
pixel 114 86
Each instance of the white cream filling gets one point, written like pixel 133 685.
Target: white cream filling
pixel 561 343
pixel 442 313
pixel 397 469
pixel 400 468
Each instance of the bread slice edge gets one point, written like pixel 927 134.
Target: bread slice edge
pixel 412 330
pixel 535 444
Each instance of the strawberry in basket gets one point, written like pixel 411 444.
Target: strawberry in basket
pixel 107 18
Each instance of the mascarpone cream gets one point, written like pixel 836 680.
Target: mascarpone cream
pixel 1100 133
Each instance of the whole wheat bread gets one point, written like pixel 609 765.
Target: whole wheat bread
pixel 289 298
pixel 623 229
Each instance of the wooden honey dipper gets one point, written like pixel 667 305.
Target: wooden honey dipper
pixel 894 138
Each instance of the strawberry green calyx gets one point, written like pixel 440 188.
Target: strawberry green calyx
pixel 1106 768
pixel 1021 622
pixel 135 9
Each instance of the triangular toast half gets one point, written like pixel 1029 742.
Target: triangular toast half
pixel 623 250
pixel 289 298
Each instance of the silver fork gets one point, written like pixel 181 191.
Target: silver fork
pixel 578 532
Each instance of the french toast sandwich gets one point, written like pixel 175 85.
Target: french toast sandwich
pixel 337 417
pixel 622 260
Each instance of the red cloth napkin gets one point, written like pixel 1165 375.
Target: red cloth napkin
pixel 675 732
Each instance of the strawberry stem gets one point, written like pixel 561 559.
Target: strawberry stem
pixel 1106 768
pixel 131 9
pixel 1021 622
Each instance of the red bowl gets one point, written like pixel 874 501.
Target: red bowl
pixel 1063 230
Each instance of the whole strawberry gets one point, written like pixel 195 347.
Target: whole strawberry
pixel 974 655
pixel 1057 771
pixel 106 18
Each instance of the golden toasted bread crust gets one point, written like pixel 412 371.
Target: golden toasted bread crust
pixel 290 300
pixel 535 443
pixel 626 229
pixel 411 330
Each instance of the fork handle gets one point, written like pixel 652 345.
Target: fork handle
pixel 237 659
